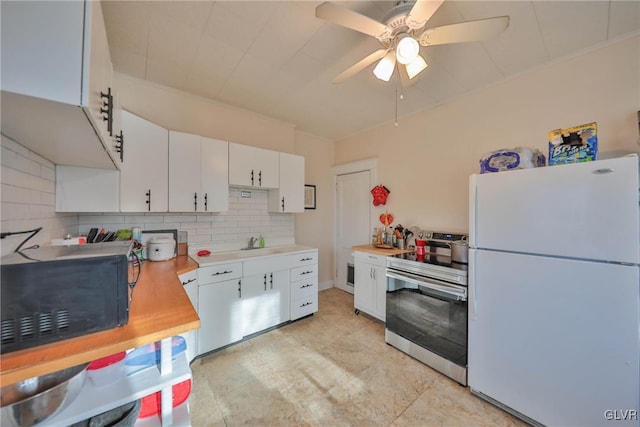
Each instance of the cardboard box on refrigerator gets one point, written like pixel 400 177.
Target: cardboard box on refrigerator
pixel 573 145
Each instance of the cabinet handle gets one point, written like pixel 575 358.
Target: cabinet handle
pixel 120 145
pixel 271 279
pixel 206 201
pixel 260 178
pixel 306 272
pixel 188 281
pixel 148 194
pixel 195 202
pixel 222 272
pixel 282 204
pixel 239 288
pixel 251 176
pixel 374 274
pixel 306 286
pixel 265 282
pixel 370 273
pixel 107 110
pixel 306 259
pixel 306 304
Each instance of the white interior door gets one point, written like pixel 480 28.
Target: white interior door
pixel 353 218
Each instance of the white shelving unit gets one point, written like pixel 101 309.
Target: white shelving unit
pixel 94 400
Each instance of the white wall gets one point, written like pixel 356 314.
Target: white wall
pixel 315 227
pixel 427 159
pixel 28 198
pixel 180 111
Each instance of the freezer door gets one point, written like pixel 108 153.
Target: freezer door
pixel 555 339
pixel 585 210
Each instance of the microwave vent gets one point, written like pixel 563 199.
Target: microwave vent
pixel 30 327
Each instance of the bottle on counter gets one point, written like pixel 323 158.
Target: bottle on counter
pixel 261 242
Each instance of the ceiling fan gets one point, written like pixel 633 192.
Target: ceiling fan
pixel 401 32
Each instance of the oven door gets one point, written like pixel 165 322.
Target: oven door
pixel 428 312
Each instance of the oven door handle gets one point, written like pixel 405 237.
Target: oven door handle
pixel 454 291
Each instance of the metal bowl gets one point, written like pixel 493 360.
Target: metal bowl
pixel 33 400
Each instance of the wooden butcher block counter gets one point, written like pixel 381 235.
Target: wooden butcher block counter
pixel 160 309
pixel 380 251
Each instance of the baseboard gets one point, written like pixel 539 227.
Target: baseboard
pixel 327 284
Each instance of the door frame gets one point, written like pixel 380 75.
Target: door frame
pixel 370 165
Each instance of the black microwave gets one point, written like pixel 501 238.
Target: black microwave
pixel 53 293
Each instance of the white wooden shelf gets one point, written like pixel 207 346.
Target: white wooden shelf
pixel 94 400
pixel 181 418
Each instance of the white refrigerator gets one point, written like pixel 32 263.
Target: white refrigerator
pixel 554 275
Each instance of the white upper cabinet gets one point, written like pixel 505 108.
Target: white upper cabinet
pixel 198 173
pixel 144 174
pixel 289 197
pixel 81 189
pixel 253 167
pixel 55 57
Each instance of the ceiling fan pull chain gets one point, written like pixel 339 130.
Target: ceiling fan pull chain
pixel 396 121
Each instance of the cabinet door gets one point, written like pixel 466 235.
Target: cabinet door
pixel 144 174
pixel 42 43
pixel 380 293
pixel 255 307
pixel 97 70
pixel 184 172
pixel 87 189
pixel 289 197
pixel 363 294
pixel 278 296
pixel 214 166
pixel 220 311
pixel 253 167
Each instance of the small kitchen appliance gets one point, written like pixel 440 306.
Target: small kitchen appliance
pixel 427 305
pixel 161 248
pixel 53 293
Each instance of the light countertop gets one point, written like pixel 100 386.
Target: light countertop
pixel 380 251
pixel 243 255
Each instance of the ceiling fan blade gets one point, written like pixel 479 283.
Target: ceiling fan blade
pixel 464 31
pixel 360 65
pixel 421 12
pixel 348 18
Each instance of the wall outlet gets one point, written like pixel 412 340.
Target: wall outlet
pixel 245 194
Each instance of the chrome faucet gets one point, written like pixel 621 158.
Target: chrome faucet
pixel 252 242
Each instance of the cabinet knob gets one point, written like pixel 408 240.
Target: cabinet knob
pixel 195 202
pixel 260 178
pixel 206 201
pixel 282 204
pixel 148 202
pixel 251 176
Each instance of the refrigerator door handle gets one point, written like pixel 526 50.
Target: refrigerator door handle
pixel 473 189
pixel 473 300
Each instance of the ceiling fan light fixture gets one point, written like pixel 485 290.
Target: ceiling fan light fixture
pixel 385 67
pixel 416 66
pixel 407 50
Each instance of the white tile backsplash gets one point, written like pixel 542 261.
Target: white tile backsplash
pixel 247 217
pixel 27 198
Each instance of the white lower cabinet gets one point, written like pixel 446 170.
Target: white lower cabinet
pixel 190 282
pixel 238 299
pixel 370 287
pixel 304 286
pixel 221 316
pixel 265 301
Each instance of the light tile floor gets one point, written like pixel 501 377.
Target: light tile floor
pixel 330 369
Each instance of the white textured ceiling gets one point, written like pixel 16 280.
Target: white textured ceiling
pixel 276 58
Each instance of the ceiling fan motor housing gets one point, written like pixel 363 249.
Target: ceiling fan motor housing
pixel 396 19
